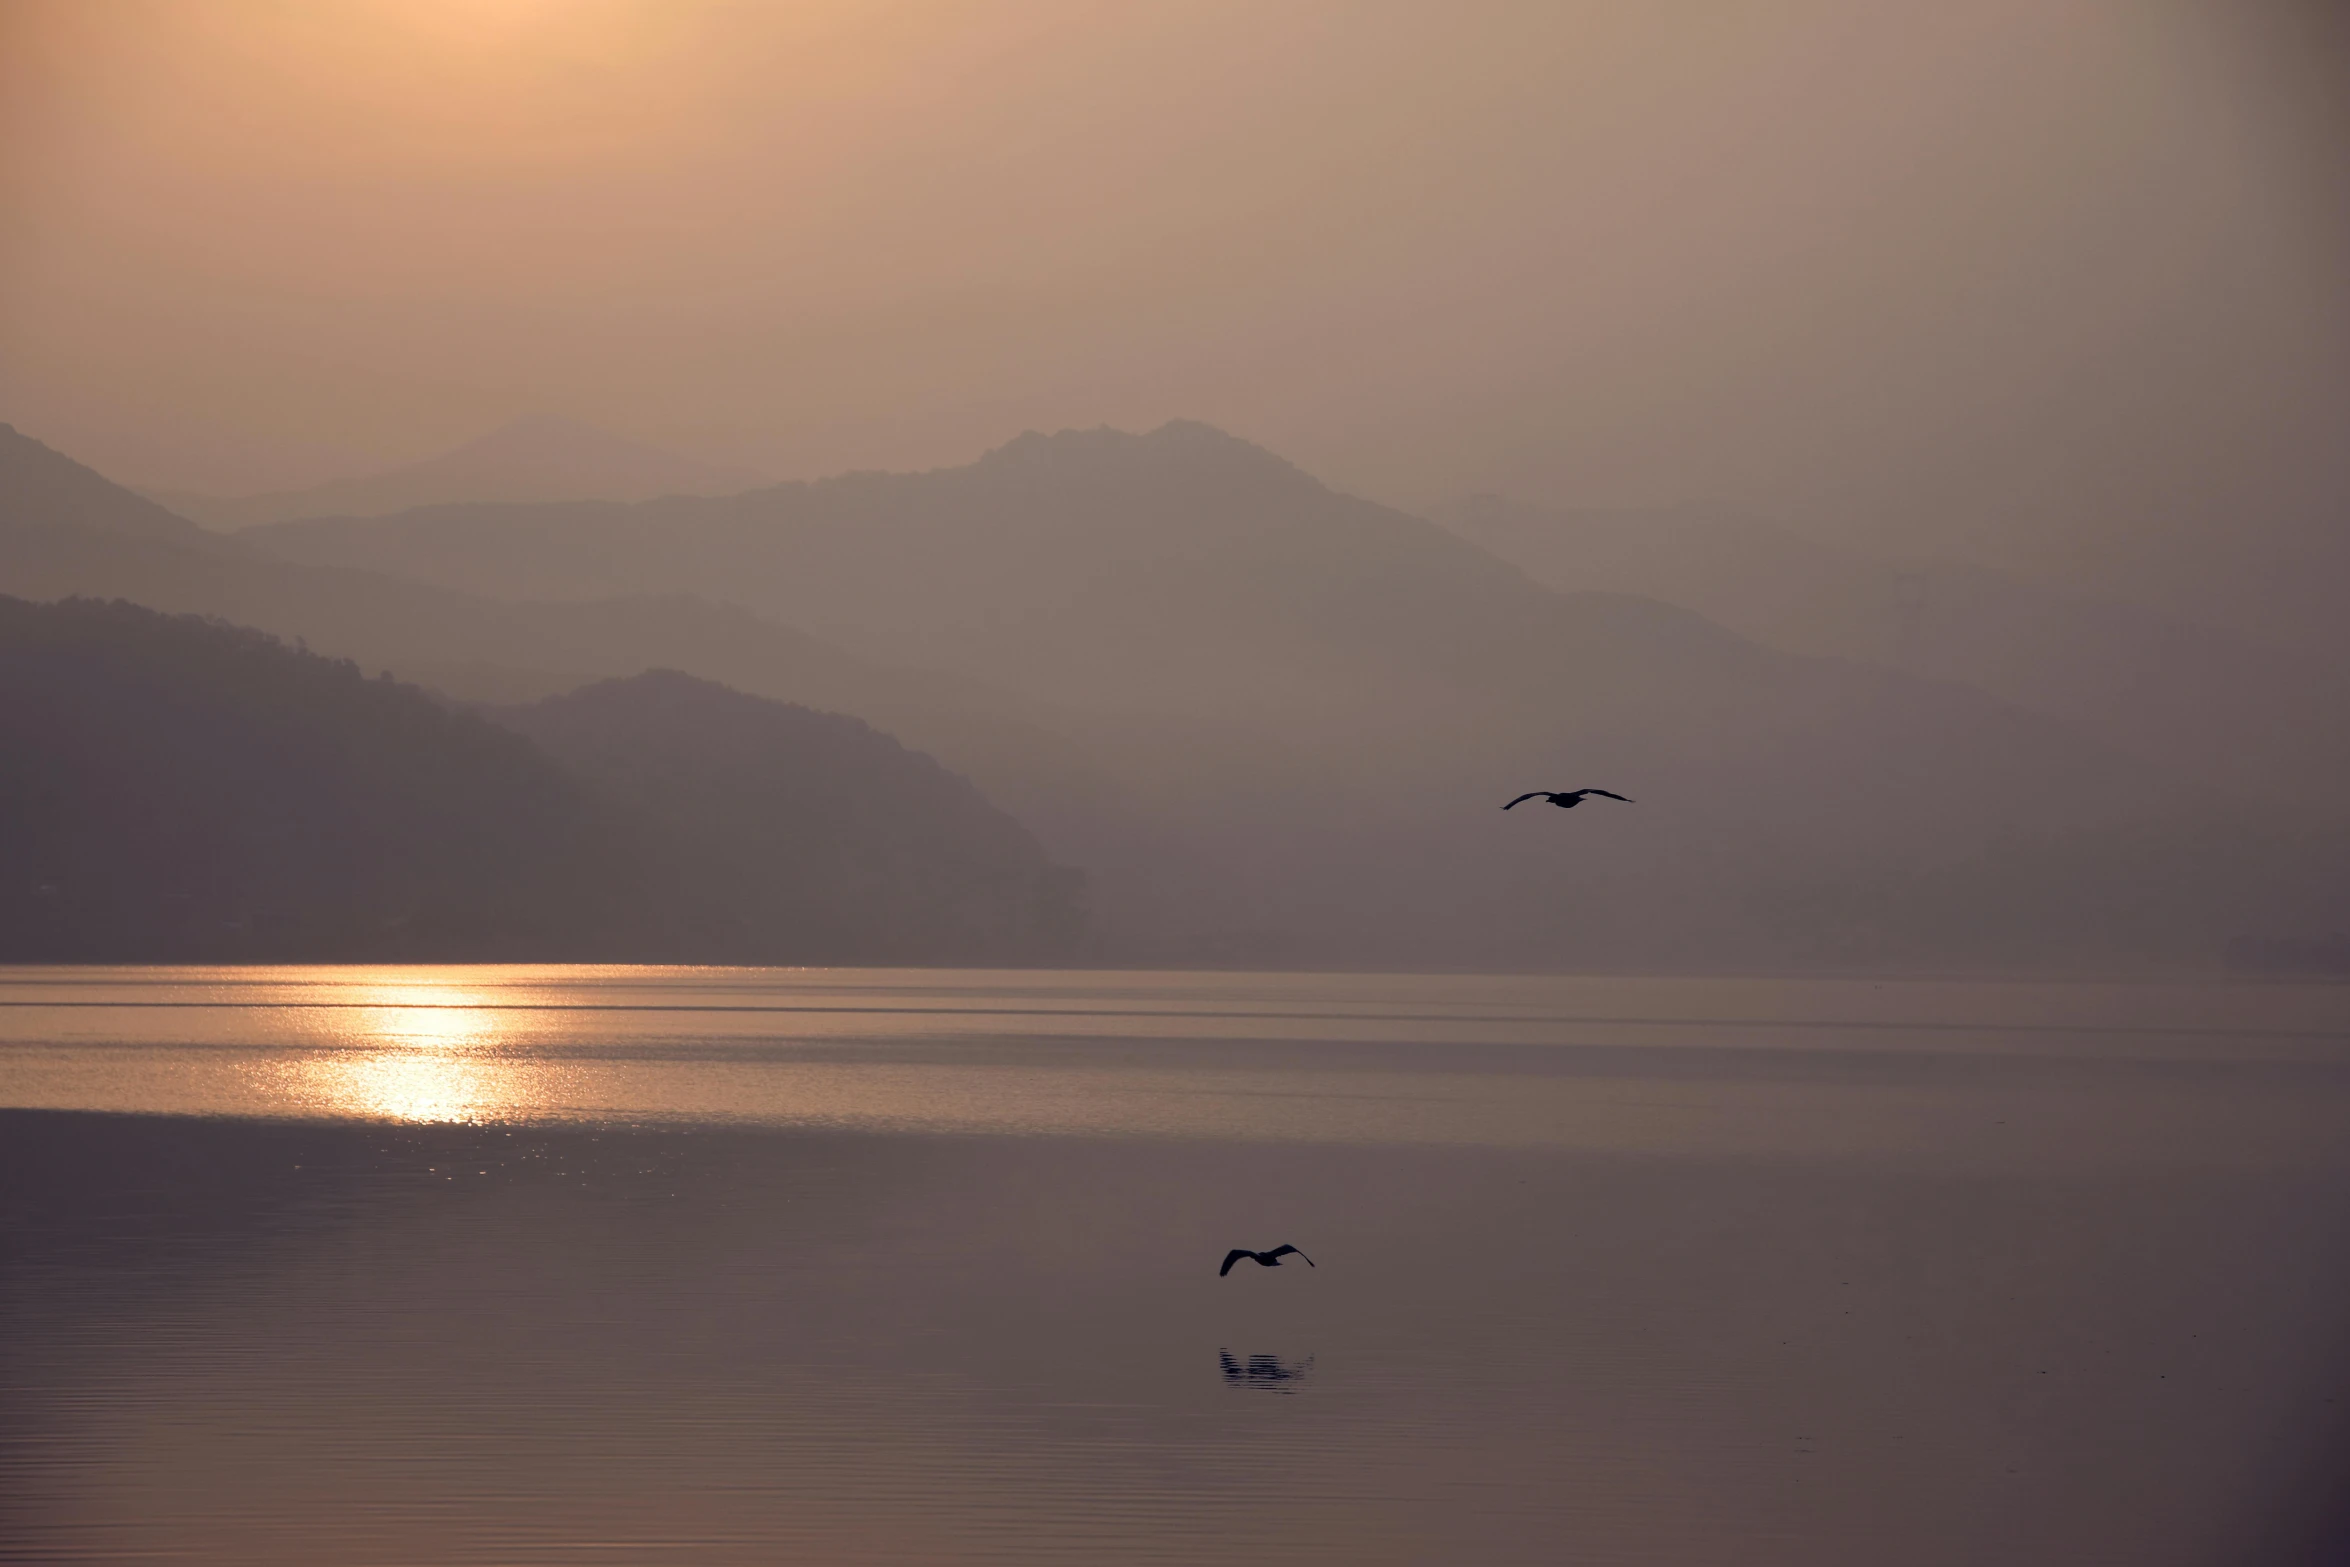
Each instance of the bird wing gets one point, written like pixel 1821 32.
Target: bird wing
pixel 1284 1251
pixel 1523 798
pixel 1231 1257
pixel 1610 793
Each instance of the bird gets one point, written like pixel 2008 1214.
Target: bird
pixel 1263 1371
pixel 1566 799
pixel 1271 1259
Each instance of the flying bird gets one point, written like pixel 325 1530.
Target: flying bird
pixel 1565 799
pixel 1271 1259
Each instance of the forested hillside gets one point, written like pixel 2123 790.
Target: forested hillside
pixel 176 788
pixel 776 833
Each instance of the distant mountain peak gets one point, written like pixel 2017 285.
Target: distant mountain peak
pixel 535 457
pixel 1179 443
pixel 553 438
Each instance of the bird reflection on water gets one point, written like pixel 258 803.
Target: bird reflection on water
pixel 1266 1373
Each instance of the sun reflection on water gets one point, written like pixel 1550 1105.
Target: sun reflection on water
pixel 417 1051
pixel 404 1087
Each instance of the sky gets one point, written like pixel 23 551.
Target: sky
pixel 2010 277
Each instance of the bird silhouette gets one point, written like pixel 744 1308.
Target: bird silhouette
pixel 1266 1372
pixel 1564 799
pixel 1271 1259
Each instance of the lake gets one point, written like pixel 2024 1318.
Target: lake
pixel 566 1264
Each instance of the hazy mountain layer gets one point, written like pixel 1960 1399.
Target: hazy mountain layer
pixel 781 834
pixel 2190 699
pixel 1281 720
pixel 65 531
pixel 173 788
pixel 1323 700
pixel 46 490
pixel 534 459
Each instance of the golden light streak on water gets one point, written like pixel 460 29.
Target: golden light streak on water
pixel 415 1049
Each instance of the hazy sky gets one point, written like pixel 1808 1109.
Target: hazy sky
pixel 1982 267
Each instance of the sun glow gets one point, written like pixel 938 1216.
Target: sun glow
pixel 409 1087
pixel 419 1051
pixel 425 1016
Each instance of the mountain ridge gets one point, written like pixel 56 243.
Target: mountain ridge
pixel 40 486
pixel 796 835
pixel 1308 684
pixel 537 457
pixel 1286 714
pixel 174 788
pixel 2177 694
pixel 482 648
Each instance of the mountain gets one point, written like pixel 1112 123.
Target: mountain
pixel 176 789
pixel 173 788
pixel 40 487
pixel 783 834
pixel 2263 891
pixel 538 458
pixel 1320 700
pixel 2207 704
pixel 1184 575
pixel 1273 722
pixel 66 531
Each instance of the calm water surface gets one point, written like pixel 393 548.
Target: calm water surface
pixel 479 1265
